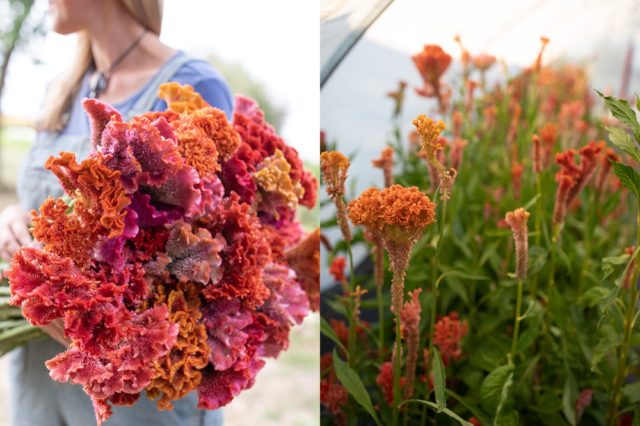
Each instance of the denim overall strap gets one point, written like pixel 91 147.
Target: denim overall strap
pixel 150 94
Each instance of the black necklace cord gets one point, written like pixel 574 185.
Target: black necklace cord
pixel 99 80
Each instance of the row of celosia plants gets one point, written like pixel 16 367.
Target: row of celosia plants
pixel 510 296
pixel 176 260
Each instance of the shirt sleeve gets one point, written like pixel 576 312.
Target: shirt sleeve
pixel 217 94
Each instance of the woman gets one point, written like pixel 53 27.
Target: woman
pixel 121 61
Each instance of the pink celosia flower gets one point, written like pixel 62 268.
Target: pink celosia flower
pixel 448 333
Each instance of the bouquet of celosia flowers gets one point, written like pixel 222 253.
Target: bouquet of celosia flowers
pixel 176 262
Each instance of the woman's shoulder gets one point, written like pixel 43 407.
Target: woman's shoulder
pixel 207 81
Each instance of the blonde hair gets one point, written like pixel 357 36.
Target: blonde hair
pixel 60 96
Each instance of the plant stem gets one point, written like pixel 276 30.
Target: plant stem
pixel 621 373
pixel 350 311
pixel 398 280
pixel 380 321
pixel 517 319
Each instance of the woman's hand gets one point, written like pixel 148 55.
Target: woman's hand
pixel 55 329
pixel 14 231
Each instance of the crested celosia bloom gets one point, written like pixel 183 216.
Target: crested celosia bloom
pixel 410 323
pixel 333 168
pixel 398 215
pixel 385 162
pixel 448 333
pixel 572 177
pixel 337 268
pixel 517 221
pixel 178 265
pixel 333 396
pixel 432 62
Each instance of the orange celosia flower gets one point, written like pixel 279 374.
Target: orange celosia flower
pixel 410 322
pixel 178 372
pixel 385 162
pixel 71 235
pixel 484 61
pixel 516 178
pixel 333 168
pixel 304 259
pixel 205 139
pixel 537 154
pixel 98 186
pixel 517 220
pixel 605 168
pixel 448 332
pixel 432 62
pixel 398 97
pixel 538 64
pixel 398 215
pixel 272 176
pixel 548 135
pixel 429 131
pixel 181 98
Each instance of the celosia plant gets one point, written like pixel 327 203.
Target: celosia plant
pixel 178 264
pixel 524 318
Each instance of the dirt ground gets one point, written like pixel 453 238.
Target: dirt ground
pixel 286 392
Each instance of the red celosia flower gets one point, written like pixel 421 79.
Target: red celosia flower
pixel 410 323
pixel 448 333
pixel 385 381
pixel 337 268
pixel 584 400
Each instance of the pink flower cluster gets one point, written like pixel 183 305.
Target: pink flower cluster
pixel 168 267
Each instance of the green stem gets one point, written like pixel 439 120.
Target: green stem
pixel 351 344
pixel 398 280
pixel 380 321
pixel 517 319
pixel 621 373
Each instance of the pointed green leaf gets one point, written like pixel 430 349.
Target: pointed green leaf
pixel 620 138
pixel 569 396
pixel 439 379
pixel 351 381
pixel 435 408
pixel 492 387
pixel 621 110
pixel 326 329
pixel 632 392
pixel 628 177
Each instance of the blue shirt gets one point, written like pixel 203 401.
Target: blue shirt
pixel 204 78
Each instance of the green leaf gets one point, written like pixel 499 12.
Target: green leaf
pixel 620 139
pixel 593 296
pixel 621 110
pixel 492 387
pixel 435 408
pixel 509 418
pixel 439 378
pixel 569 396
pixel 504 396
pixel 628 177
pixel 326 329
pixel 351 381
pixel 609 264
pixel 632 392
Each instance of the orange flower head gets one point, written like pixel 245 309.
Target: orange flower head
pixel 181 98
pixel 484 61
pixel 385 162
pixel 333 167
pixel 517 221
pixel 429 131
pixel 432 62
pixel 273 177
pixel 337 268
pixel 399 213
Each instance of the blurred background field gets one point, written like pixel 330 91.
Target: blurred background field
pixel 286 391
